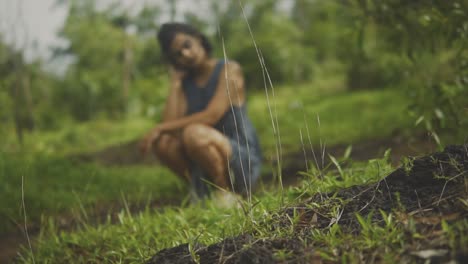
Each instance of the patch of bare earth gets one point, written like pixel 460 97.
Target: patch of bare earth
pixel 422 194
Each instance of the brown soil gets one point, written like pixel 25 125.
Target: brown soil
pixel 241 249
pixel 426 192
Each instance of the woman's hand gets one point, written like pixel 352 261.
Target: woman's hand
pixel 149 139
pixel 176 74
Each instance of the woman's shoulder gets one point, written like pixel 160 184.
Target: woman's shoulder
pixel 231 65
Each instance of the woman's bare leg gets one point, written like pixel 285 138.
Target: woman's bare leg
pixel 209 148
pixel 170 151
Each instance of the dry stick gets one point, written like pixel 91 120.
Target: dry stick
pixel 313 152
pixel 337 218
pixel 322 144
pixel 265 72
pixel 419 201
pixel 274 129
pixel 235 121
pixel 127 208
pixel 305 157
pixel 466 150
pixel 388 190
pixel 312 147
pixel 445 185
pixel 25 219
pixel 275 110
pixel 249 187
pixel 303 149
pixel 372 199
pixel 248 148
pixel 280 155
pixel 230 100
pixel 386 184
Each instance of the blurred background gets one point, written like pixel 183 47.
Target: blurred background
pixel 74 61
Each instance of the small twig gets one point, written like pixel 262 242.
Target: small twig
pixel 25 219
pixel 445 185
pixel 303 149
pixel 419 202
pixel 388 189
pixel 337 219
pixel 372 199
pixel 312 148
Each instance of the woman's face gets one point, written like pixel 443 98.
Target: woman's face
pixel 187 51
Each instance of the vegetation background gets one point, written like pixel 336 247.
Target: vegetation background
pixel 340 71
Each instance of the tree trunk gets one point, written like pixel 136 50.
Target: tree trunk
pixel 22 100
pixel 126 71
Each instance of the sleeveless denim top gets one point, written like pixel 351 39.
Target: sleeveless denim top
pixel 235 123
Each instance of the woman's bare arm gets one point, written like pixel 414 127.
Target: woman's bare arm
pixel 230 90
pixel 175 104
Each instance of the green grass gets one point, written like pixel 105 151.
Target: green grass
pixel 334 117
pixel 135 238
pixel 54 185
pixel 79 137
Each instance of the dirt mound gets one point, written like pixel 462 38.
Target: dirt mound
pixel 429 185
pixel 428 190
pixel 243 249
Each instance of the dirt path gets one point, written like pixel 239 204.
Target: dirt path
pixel 10 244
pixel 127 154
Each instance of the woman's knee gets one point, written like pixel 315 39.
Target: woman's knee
pixel 199 137
pixel 195 136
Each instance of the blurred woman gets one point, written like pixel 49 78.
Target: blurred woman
pixel 205 135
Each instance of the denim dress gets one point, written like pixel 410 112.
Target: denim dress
pixel 245 162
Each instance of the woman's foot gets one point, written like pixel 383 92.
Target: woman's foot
pixel 226 199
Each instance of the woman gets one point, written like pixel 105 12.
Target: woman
pixel 205 135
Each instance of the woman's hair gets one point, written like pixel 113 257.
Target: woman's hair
pixel 167 33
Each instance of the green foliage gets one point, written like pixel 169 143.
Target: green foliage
pixel 106 60
pixel 286 59
pixel 431 38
